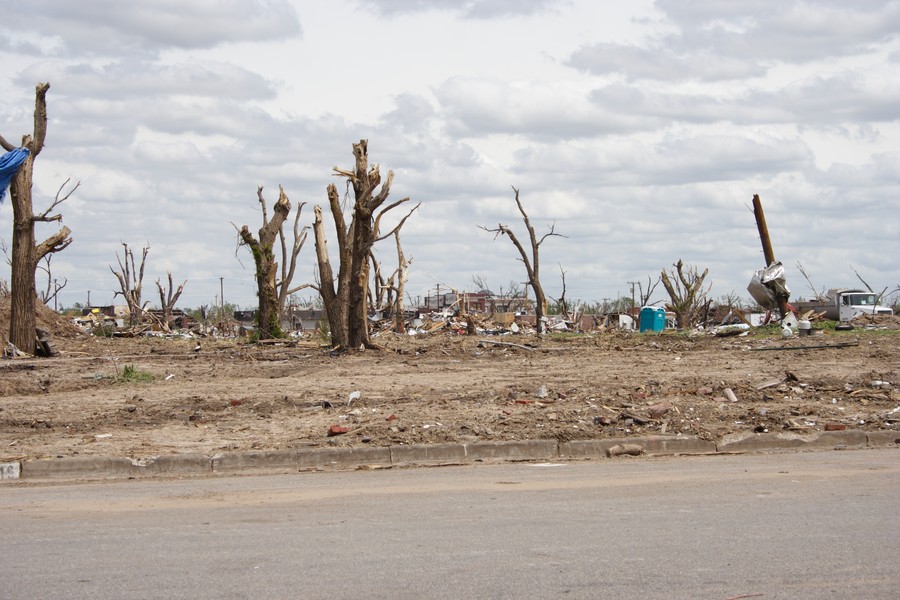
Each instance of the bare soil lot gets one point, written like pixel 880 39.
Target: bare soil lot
pixel 232 396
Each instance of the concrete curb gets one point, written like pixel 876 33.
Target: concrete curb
pixel 821 440
pixel 651 446
pixel 301 460
pixel 883 438
pixel 305 459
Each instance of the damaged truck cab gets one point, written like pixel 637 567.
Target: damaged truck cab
pixel 845 304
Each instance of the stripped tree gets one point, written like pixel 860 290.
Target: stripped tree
pixel 686 291
pixel 131 283
pixel 402 274
pixel 569 311
pixel 644 295
pixel 382 292
pixel 273 291
pixel 532 263
pixel 54 287
pixel 26 253
pixel 167 299
pixel 345 296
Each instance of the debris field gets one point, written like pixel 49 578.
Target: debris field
pixel 149 396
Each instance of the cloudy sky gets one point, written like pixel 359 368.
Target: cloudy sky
pixel 642 130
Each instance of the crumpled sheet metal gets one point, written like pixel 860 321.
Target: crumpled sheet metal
pixel 768 284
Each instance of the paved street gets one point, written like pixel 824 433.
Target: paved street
pixel 811 525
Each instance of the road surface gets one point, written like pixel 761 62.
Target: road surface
pixel 811 525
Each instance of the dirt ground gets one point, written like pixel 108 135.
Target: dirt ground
pixel 233 396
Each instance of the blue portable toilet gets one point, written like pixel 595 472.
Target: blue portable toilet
pixel 653 318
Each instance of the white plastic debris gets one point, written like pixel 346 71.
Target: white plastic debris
pixel 356 395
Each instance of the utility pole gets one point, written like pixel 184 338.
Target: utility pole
pixel 768 253
pixel 632 284
pixel 89 298
pixel 222 297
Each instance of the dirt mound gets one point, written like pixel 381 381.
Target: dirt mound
pixel 881 321
pixel 47 319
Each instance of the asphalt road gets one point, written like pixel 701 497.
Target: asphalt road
pixel 813 525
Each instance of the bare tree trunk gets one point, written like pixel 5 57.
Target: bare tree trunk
pixel 562 302
pixel 25 253
pixel 334 299
pixel 167 300
pixel 687 293
pixel 268 325
pixel 645 295
pixel 131 283
pixel 532 263
pixel 381 298
pixel 347 305
pixel 362 237
pixel 289 262
pixel 53 286
pixel 402 277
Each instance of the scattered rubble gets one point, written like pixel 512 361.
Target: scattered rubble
pixel 440 385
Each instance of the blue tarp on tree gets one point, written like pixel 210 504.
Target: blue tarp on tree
pixel 9 164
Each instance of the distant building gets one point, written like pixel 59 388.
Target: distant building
pixel 304 319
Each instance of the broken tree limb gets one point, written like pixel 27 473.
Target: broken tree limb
pixel 530 349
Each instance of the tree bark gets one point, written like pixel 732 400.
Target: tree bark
pixel 532 263
pixel 686 292
pixel 268 325
pixel 25 253
pixel 289 261
pixel 402 278
pixel 167 299
pixel 347 306
pixel 331 298
pixel 131 282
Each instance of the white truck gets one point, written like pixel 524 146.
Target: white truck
pixel 844 305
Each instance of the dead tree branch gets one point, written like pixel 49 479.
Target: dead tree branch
pixel 532 262
pixel 167 299
pixel 685 288
pixel 131 282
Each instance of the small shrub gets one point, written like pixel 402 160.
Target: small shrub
pixel 130 374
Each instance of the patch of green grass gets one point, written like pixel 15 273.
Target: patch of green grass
pixel 131 375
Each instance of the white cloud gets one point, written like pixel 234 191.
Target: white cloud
pixel 147 80
pixel 641 130
pixel 112 28
pixel 474 9
pixel 715 41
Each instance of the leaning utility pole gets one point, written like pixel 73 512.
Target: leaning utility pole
pixel 768 253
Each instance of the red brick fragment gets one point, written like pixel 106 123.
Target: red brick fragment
pixel 391 418
pixel 835 427
pixel 658 410
pixel 337 430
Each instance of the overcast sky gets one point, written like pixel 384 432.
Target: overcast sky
pixel 641 129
